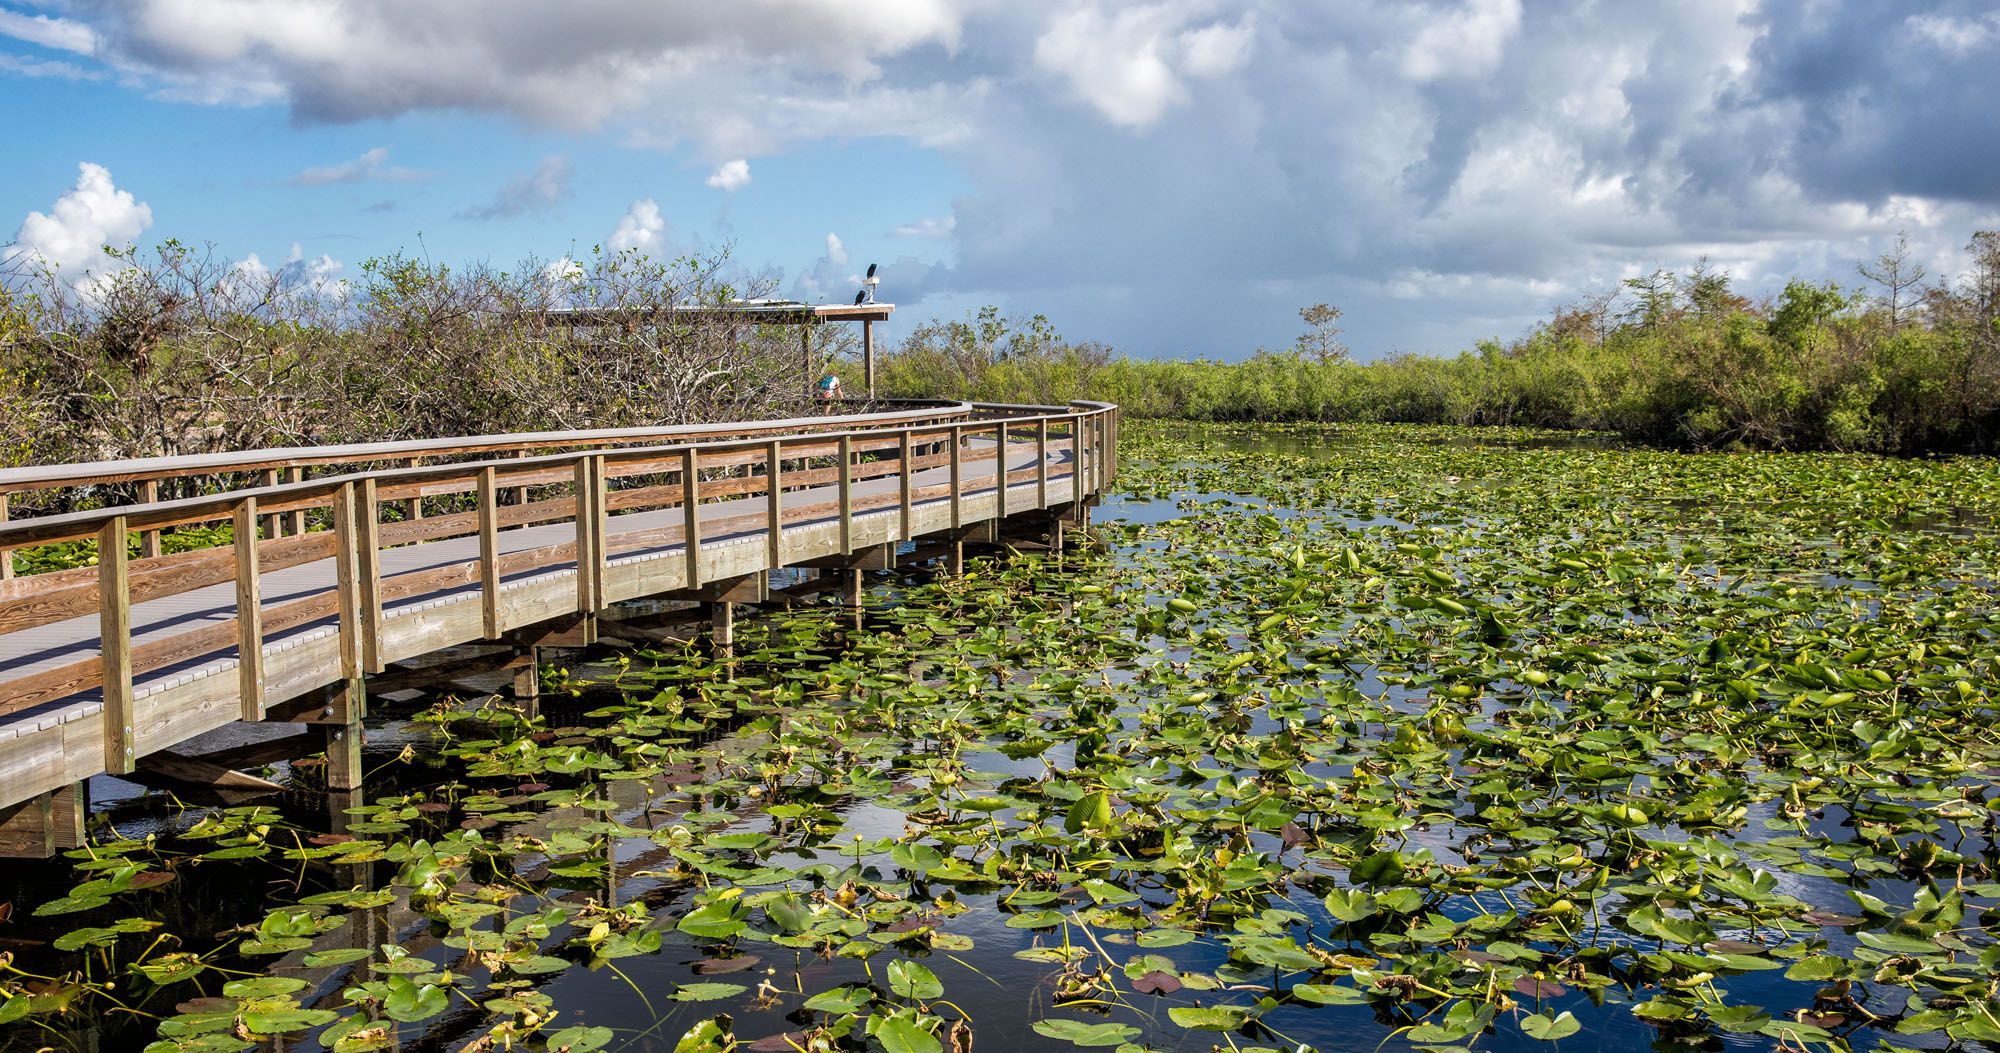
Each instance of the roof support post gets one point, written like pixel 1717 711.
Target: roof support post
pixel 868 355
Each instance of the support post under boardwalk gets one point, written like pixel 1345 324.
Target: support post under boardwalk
pixel 850 594
pixel 44 824
pixel 340 726
pixel 722 626
pixel 528 680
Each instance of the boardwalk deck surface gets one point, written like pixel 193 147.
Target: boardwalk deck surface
pixel 63 643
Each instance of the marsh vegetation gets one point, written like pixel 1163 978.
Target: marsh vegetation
pixel 1414 737
pixel 1896 360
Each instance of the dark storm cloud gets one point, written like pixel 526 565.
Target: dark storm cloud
pixel 1884 98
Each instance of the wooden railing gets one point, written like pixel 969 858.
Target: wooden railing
pixel 141 480
pixel 807 472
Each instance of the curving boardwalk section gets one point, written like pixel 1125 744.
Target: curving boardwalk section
pixel 520 536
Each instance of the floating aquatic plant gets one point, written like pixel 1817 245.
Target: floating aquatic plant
pixel 1390 734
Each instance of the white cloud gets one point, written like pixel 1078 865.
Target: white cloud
pixel 50 68
pixel 1960 36
pixel 730 176
pixel 1466 43
pixel 642 230
pixel 1486 153
pixel 251 279
pixel 543 188
pixel 1128 63
pixel 561 278
pixel 71 236
pixel 43 31
pixel 829 278
pixel 570 65
pixel 372 164
pixel 928 227
pixel 1218 50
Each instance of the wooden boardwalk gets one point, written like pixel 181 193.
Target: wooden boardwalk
pixel 353 572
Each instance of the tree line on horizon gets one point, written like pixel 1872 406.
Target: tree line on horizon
pixel 1903 363
pixel 180 352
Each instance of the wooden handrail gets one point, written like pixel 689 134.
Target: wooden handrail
pixel 138 469
pixel 312 493
pixel 737 467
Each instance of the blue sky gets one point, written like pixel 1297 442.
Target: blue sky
pixel 1174 178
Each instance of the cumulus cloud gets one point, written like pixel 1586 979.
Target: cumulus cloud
pixel 61 34
pixel 829 278
pixel 730 175
pixel 372 164
pixel 642 230
pixel 1120 158
pixel 1468 42
pixel 545 187
pixel 1131 64
pixel 572 65
pixel 1959 36
pixel 562 279
pixel 72 235
pixel 250 279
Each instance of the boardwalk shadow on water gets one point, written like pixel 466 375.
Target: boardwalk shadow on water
pixel 1317 747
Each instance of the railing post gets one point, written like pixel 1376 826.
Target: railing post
pixel 368 542
pixel 414 508
pixel 1105 441
pixel 274 525
pixel 520 492
pixel 589 485
pixel 1095 421
pixel 957 471
pixel 489 552
pixel 1100 435
pixel 1111 447
pixel 249 613
pixel 6 554
pixel 691 513
pixel 774 510
pixel 1000 471
pixel 846 494
pixel 1042 463
pixel 114 631
pixel 1078 470
pixel 298 515
pixel 149 540
pixel 905 482
pixel 347 572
